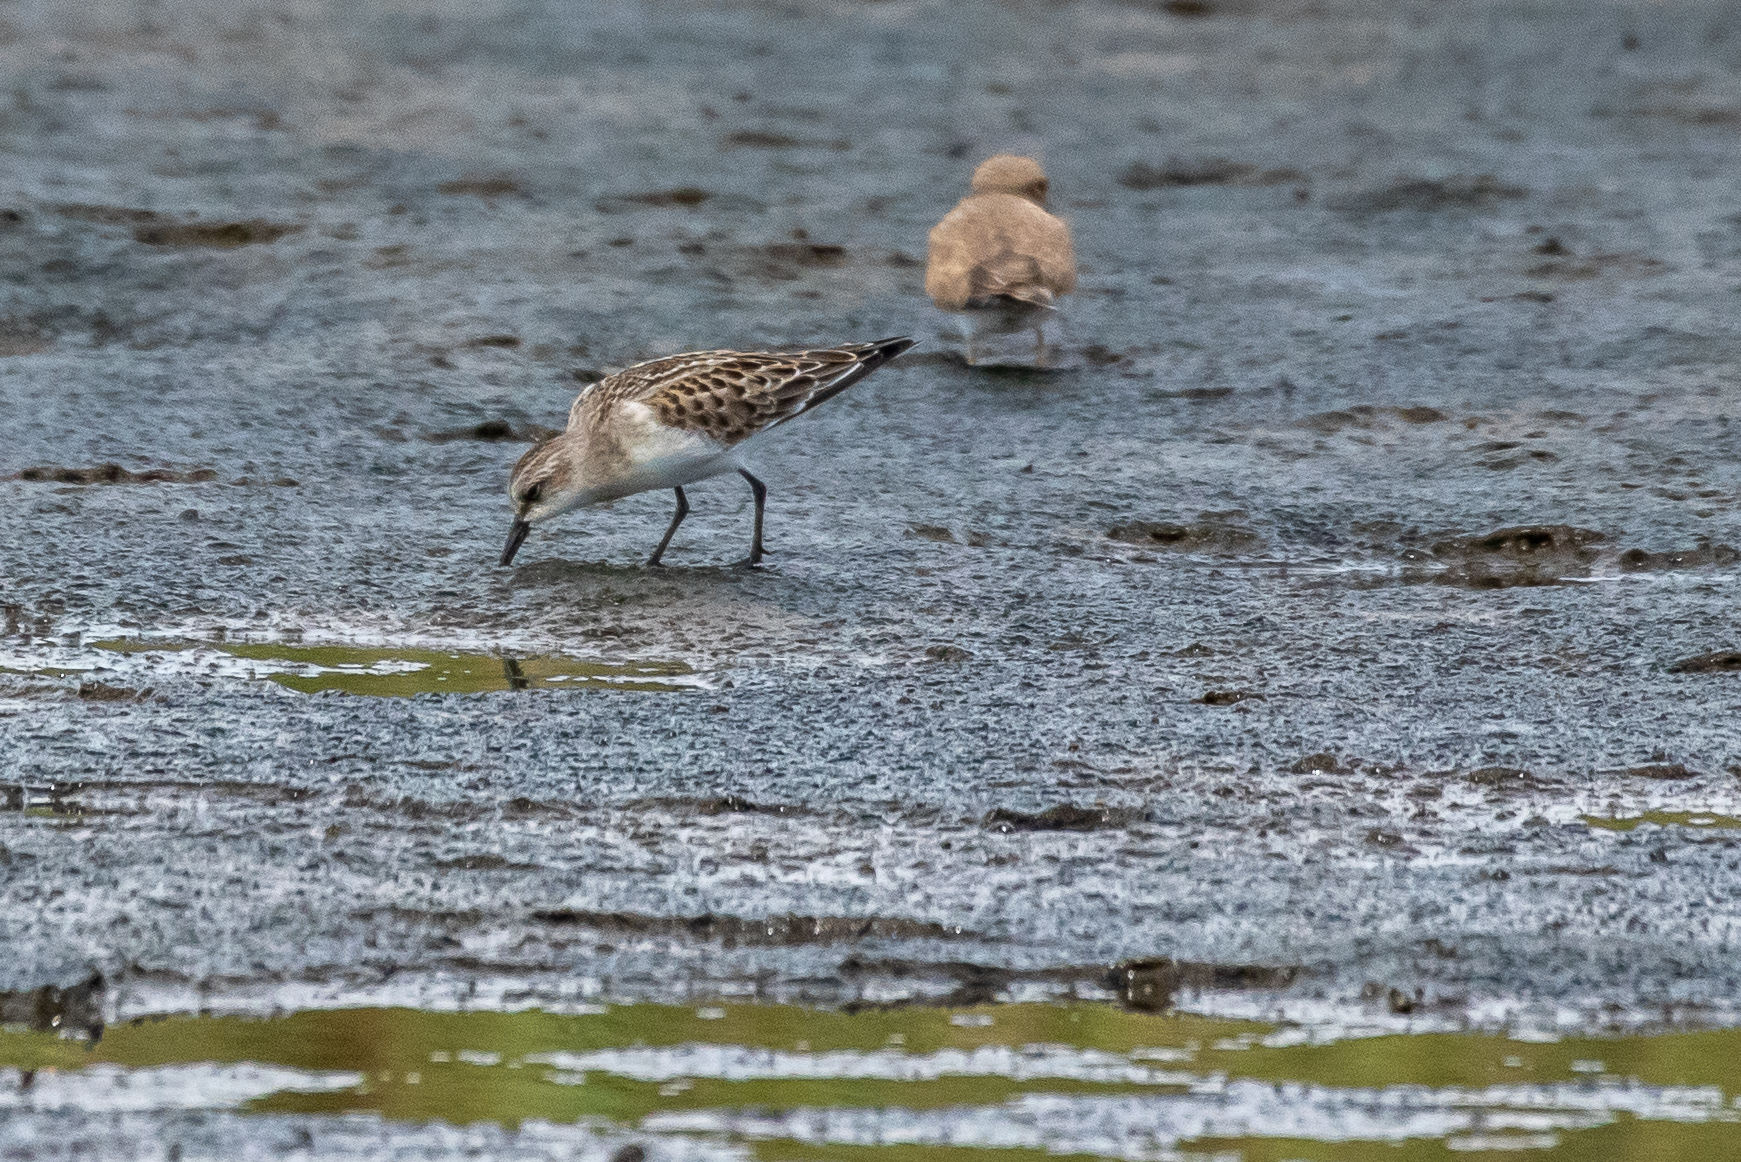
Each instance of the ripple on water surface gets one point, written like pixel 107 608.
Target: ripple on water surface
pixel 1013 1082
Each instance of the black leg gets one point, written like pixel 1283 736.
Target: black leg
pixel 676 519
pixel 761 493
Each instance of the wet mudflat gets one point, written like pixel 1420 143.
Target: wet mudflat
pixel 1338 653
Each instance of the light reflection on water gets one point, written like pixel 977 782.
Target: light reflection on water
pixel 1036 1081
pixel 376 671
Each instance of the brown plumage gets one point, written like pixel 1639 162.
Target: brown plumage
pixel 998 254
pixel 732 395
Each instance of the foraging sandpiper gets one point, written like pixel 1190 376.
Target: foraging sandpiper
pixel 673 421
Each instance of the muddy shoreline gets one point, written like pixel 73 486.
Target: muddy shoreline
pixel 1354 611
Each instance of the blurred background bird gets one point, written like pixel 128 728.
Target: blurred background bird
pixel 999 258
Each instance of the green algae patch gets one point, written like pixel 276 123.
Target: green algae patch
pixel 511 1067
pixel 777 1150
pixel 1663 819
pixel 385 1038
pixel 404 673
pixel 753 1072
pixel 1626 1139
pixel 140 645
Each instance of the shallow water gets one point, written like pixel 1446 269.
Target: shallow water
pixel 350 669
pixel 1004 1081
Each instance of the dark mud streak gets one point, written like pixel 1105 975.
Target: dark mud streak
pixel 486 861
pixel 1522 555
pixel 1229 697
pixel 217 235
pixel 1147 985
pixel 58 1009
pixel 765 139
pixel 1716 662
pixel 111 474
pixel 1218 171
pixel 1528 544
pixel 1202 536
pixel 1063 817
pixel 1152 985
pixel 13 796
pixel 1367 416
pixel 1428 195
pixel 495 432
pixel 24 336
pixel 103 692
pixel 711 805
pixel 773 931
pixel 683 197
pixel 806 253
pixel 56 798
pixel 1705 556
pixel 107 215
pixel 1670 771
pixel 1321 763
pixel 1507 778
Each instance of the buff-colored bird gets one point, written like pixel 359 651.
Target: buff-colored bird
pixel 998 257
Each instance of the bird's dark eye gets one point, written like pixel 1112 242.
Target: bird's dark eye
pixel 533 492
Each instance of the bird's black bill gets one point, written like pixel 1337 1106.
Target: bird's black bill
pixel 516 537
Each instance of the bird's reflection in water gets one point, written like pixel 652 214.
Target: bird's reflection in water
pixel 516 677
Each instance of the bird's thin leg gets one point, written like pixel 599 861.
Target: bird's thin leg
pixel 1039 344
pixel 676 519
pixel 760 491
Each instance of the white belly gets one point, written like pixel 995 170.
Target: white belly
pixel 655 456
pixel 670 472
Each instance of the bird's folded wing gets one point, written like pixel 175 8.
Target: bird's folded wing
pixel 987 239
pixel 730 395
pixel 1017 276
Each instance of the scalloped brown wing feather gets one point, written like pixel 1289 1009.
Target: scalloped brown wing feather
pixel 732 395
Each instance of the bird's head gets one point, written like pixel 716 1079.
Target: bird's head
pixel 541 486
pixel 1008 173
